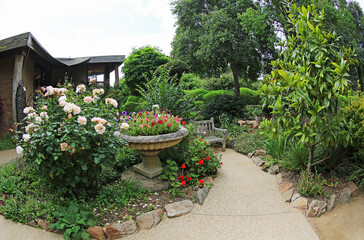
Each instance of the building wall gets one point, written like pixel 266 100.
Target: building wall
pixel 6 84
pixel 79 74
pixel 28 78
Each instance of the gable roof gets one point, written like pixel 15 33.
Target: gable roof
pixel 27 40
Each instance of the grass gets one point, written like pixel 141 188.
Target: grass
pixel 6 143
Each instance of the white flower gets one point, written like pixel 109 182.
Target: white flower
pixel 64 146
pixel 98 120
pixel 50 91
pixel 28 110
pixel 156 106
pixel 111 101
pixel 80 88
pixel 81 120
pixel 26 137
pixel 98 91
pixel 44 115
pixel 68 107
pixel 32 115
pixel 62 90
pixel 62 98
pixel 44 107
pixel 100 129
pixel 124 126
pixel 19 150
pixel 62 103
pixel 87 99
pixel 38 119
pixel 76 109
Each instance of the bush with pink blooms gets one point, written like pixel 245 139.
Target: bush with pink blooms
pixel 69 134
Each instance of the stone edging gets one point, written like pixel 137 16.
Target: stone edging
pixel 308 206
pixel 145 221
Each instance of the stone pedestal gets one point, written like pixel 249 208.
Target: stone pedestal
pixel 151 184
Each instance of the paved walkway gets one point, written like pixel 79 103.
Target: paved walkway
pixel 243 204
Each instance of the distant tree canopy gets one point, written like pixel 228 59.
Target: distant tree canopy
pixel 210 38
pixel 140 64
pixel 176 68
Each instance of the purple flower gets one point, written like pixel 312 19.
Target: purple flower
pixel 124 113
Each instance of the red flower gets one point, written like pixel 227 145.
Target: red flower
pixel 187 193
pixel 160 122
pixel 201 181
pixel 153 124
pixel 222 163
pixel 184 166
pixel 200 162
pixel 183 123
pixel 205 152
pixel 183 183
pixel 181 177
pixel 201 140
pixel 140 114
pixel 208 158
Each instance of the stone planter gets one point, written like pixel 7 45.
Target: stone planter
pixel 150 147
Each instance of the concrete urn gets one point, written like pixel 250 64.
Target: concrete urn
pixel 150 147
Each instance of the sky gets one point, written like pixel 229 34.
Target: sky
pixel 80 28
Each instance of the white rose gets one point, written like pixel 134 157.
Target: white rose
pixel 87 99
pixel 26 137
pixel 68 107
pixel 80 88
pixel 124 126
pixel 62 98
pixel 81 120
pixel 76 109
pixel 19 150
pixel 38 119
pixel 62 103
pixel 100 129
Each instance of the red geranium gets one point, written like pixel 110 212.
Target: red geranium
pixel 183 165
pixel 160 122
pixel 200 162
pixel 183 183
pixel 183 123
pixel 208 158
pixel 201 181
pixel 153 124
pixel 201 140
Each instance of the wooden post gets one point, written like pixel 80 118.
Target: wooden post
pixel 106 77
pixel 17 79
pixel 116 76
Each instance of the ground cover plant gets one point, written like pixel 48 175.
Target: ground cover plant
pixel 6 143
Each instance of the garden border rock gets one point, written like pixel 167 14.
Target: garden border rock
pixel 310 207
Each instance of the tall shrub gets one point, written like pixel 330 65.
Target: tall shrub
pixel 308 77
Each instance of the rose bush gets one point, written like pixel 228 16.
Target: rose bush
pixel 70 135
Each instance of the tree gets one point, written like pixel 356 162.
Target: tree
pixel 210 38
pixel 176 69
pixel 308 77
pixel 140 65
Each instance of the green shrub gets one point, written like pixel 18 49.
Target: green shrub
pixel 224 82
pixel 295 157
pixel 310 184
pixel 176 68
pixel 354 113
pixel 197 93
pixel 227 105
pixel 357 173
pixel 251 97
pixel 342 101
pixel 6 143
pixel 213 94
pixel 119 93
pixel 133 104
pixel 190 81
pixel 248 142
pixel 276 146
pixel 161 91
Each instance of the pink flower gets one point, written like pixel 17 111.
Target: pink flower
pixel 81 120
pixel 44 107
pixel 80 88
pixel 64 146
pixel 76 109
pixel 62 103
pixel 141 126
pixel 169 124
pixel 100 129
pixel 87 99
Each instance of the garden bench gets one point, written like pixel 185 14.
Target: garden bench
pixel 207 130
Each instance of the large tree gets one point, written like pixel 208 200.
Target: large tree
pixel 211 39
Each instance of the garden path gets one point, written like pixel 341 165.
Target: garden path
pixel 243 204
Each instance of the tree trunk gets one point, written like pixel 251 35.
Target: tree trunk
pixel 310 159
pixel 235 71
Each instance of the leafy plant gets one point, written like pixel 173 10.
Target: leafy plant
pixel 295 157
pixel 170 170
pixel 6 143
pixel 163 91
pixel 310 184
pixel 308 78
pixel 248 142
pixel 70 135
pixel 11 186
pixel 276 147
pixel 73 220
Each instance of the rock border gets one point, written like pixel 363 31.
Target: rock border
pixel 310 207
pixel 145 221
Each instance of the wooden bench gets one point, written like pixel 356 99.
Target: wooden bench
pixel 207 130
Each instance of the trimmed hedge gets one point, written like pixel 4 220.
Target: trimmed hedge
pixel 213 94
pixel 197 93
pixel 250 97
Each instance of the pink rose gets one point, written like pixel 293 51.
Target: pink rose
pixel 87 99
pixel 81 120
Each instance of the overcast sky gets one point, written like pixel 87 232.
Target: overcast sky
pixel 80 28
